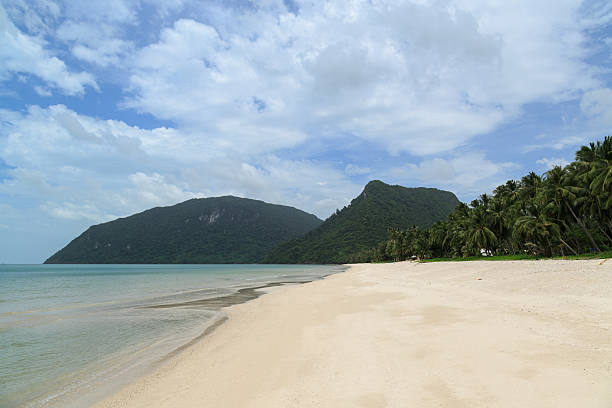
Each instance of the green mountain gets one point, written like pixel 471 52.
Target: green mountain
pixel 206 230
pixel 364 223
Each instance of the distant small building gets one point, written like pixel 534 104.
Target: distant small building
pixel 484 252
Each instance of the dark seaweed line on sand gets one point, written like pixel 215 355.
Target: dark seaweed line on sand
pixel 215 303
pixel 241 296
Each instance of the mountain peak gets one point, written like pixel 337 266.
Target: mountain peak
pixel 375 185
pixel 224 229
pixel 364 223
pixel 373 190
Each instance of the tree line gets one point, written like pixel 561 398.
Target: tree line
pixel 565 211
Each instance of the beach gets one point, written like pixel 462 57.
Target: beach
pixel 451 334
pixel 71 334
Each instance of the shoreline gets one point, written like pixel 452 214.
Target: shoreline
pixel 515 333
pixel 94 381
pixel 221 304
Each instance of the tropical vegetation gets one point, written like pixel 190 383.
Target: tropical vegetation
pixel 204 230
pixel 565 211
pixel 364 222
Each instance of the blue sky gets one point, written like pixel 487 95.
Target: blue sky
pixel 110 108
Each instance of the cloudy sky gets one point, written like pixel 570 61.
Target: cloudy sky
pixel 109 108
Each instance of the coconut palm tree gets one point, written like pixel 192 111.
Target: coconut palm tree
pixel 436 236
pixel 595 162
pixel 537 228
pixel 566 208
pixel 529 186
pixel 479 235
pixel 562 193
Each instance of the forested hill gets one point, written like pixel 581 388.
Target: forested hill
pixel 207 230
pixel 364 223
pixel 565 211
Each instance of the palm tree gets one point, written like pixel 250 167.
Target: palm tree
pixel 479 235
pixel 436 236
pixel 537 228
pixel 419 244
pixel 559 192
pixel 508 193
pixel 562 209
pixel 455 234
pixel 530 185
pixel 596 163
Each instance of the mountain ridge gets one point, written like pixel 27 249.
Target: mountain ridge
pixel 224 229
pixel 230 229
pixel 364 223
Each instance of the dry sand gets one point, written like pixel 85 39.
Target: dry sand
pixel 466 334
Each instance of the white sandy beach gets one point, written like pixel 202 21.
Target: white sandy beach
pixel 464 334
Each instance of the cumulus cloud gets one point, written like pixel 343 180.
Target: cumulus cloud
pixel 597 105
pixel 415 77
pixel 42 91
pixel 117 11
pixel 21 53
pixel 421 78
pixel 354 170
pixel 71 211
pixel 81 168
pixel 28 183
pixel 153 190
pixel 36 16
pixel 309 185
pixel 94 42
pixel 595 113
pixel 467 174
pixel 549 163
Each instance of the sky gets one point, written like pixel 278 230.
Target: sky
pixel 110 108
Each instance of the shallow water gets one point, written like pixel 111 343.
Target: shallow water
pixel 67 330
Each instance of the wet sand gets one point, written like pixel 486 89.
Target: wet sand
pixel 466 334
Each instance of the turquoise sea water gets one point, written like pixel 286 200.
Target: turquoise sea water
pixel 70 332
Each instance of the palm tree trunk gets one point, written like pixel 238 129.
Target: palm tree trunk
pixel 579 221
pixel 567 245
pixel 603 231
pixel 576 244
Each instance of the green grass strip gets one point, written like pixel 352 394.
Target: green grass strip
pixel 590 255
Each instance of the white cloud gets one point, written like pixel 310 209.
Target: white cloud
pixel 80 168
pixel 596 118
pixel 42 91
pixel 415 77
pixel 94 42
pixel 35 15
pixel 354 170
pixel 153 190
pixel 312 186
pixel 71 211
pixel 27 182
pixel 549 163
pixel 466 175
pixel 558 143
pixel 164 7
pixel 597 105
pixel 115 11
pixel 21 53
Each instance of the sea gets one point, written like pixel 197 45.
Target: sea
pixel 70 334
